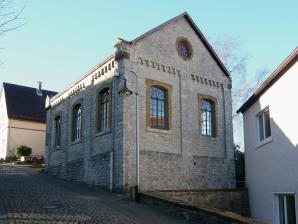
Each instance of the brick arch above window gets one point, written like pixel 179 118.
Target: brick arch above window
pixel 57 126
pixel 76 120
pixel 214 117
pixel 162 88
pixel 104 108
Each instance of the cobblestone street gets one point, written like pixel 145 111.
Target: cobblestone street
pixel 27 196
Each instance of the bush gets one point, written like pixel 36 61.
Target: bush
pixel 23 151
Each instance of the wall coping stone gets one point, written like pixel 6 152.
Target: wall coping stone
pixel 188 209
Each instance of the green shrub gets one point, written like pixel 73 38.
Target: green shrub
pixel 23 151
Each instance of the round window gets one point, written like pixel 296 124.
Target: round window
pixel 184 48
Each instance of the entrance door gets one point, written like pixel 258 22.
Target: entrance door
pixel 285 212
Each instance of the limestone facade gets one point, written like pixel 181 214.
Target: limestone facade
pixel 177 157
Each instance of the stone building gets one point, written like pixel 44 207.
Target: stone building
pixel 22 119
pixel 155 114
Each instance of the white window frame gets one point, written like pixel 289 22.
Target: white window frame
pixel 276 212
pixel 265 140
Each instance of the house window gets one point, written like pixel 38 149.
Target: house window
pixel 285 212
pixel 57 136
pixel 76 122
pixel 207 118
pixel 184 48
pixel 104 110
pixel 158 108
pixel 264 125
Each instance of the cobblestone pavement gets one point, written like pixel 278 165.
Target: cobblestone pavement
pixel 27 196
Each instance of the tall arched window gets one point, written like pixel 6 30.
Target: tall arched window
pixel 57 138
pixel 76 122
pixel 104 109
pixel 158 108
pixel 207 118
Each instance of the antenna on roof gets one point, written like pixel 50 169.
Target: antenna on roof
pixel 38 90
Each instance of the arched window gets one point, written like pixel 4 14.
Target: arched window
pixel 207 118
pixel 158 108
pixel 76 122
pixel 104 109
pixel 57 135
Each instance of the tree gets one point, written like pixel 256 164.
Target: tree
pixel 23 151
pixel 10 17
pixel 239 166
pixel 230 53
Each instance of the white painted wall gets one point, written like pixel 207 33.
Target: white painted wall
pixel 3 125
pixel 15 132
pixel 273 167
pixel 29 133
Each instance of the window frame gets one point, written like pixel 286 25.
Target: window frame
pixel 276 205
pixel 189 45
pixel 74 140
pixel 164 126
pixel 168 104
pixel 98 109
pixel 56 146
pixel 214 101
pixel 265 140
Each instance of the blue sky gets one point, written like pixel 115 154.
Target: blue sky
pixel 63 39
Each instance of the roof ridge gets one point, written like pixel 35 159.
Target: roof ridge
pixel 271 79
pixel 29 87
pixel 159 27
pixel 83 76
pixel 197 31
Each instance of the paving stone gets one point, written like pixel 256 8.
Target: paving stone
pixel 28 196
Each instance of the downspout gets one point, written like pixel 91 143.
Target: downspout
pixel 137 133
pixel 181 128
pixel 224 118
pixel 113 131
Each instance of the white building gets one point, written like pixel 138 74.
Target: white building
pixel 22 119
pixel 271 153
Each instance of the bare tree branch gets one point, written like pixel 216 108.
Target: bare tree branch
pixel 229 51
pixel 10 17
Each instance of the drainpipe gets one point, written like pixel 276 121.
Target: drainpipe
pixel 224 118
pixel 137 133
pixel 111 169
pixel 116 75
pixel 181 116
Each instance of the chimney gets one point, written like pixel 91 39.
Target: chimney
pixel 38 90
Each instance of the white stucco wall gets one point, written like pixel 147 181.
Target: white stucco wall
pixel 29 133
pixel 3 125
pixel 273 167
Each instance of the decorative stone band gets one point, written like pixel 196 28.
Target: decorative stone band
pixel 158 66
pixel 95 76
pixel 172 70
pixel 208 82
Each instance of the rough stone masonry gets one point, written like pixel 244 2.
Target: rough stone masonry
pixel 176 58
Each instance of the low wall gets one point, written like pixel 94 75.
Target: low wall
pixel 234 200
pixel 194 212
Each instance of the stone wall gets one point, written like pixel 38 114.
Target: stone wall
pixel 96 158
pixel 168 171
pixel 175 158
pixel 225 199
pixel 180 157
